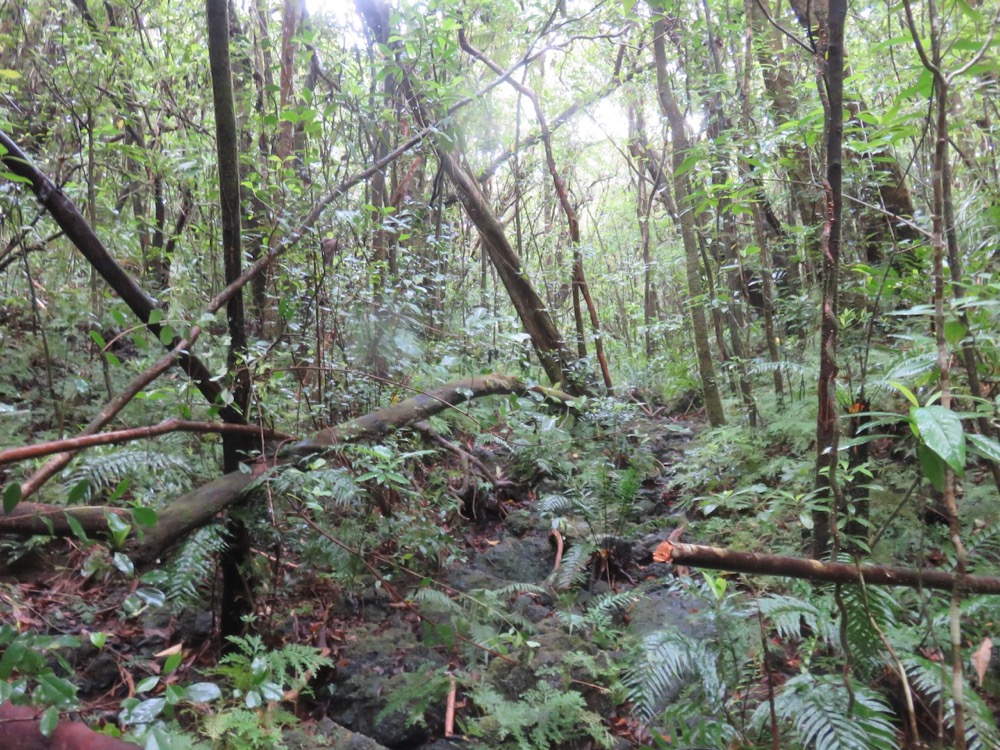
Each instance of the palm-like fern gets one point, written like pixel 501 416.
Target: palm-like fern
pixel 103 472
pixel 667 661
pixel 814 709
pixel 932 679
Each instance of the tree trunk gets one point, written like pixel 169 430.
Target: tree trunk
pixel 237 591
pixel 682 193
pixel 830 82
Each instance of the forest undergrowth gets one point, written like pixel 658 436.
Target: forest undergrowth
pixel 451 557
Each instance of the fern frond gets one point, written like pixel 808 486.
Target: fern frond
pixel 192 567
pixel 912 367
pixel 764 366
pixel 429 595
pixel 104 471
pixel 666 661
pixel 815 708
pixel 985 542
pixel 862 606
pixel 521 588
pixel 574 565
pixel 554 504
pixel 788 615
pixel 933 680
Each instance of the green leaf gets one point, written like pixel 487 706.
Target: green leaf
pixel 954 332
pixel 145 516
pixel 986 447
pixel 941 430
pixel 145 712
pixel 202 692
pixel 76 527
pixel 123 563
pixel 167 335
pixel 56 690
pixel 173 661
pixel 11 496
pixel 78 492
pixel 906 392
pixel 155 316
pixel 932 466
pixel 98 639
pixel 148 684
pixel 49 721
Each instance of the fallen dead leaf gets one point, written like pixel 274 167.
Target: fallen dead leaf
pixel 176 649
pixel 981 659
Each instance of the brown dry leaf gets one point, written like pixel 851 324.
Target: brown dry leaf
pixel 175 649
pixel 662 552
pixel 981 659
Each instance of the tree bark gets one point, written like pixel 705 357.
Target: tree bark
pixel 756 563
pixel 237 589
pixel 682 192
pixel 830 81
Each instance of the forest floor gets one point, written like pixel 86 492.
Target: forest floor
pixel 502 618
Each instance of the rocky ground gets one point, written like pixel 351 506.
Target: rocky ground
pixel 379 646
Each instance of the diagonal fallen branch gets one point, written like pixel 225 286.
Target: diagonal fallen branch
pixel 755 563
pixel 23 453
pixel 199 507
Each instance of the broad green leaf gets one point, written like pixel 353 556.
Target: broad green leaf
pixel 954 332
pixel 145 712
pixel 906 392
pixel 56 690
pixel 98 639
pixel 941 430
pixel 49 721
pixel 145 516
pixel 202 692
pixel 76 527
pixel 173 661
pixel 78 492
pixel 11 496
pixel 148 684
pixel 123 563
pixel 932 466
pixel 987 447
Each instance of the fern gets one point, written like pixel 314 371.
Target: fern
pixel 331 486
pixel 574 565
pixel 102 473
pixel 666 662
pixel 191 567
pixel 788 615
pixel 933 680
pixel 542 719
pixel 863 605
pixel 414 694
pixel 600 613
pixel 555 504
pixel 815 710
pixel 985 544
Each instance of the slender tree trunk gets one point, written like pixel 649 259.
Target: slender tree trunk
pixel 237 589
pixel 830 82
pixel 682 192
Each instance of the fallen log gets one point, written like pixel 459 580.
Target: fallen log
pixel 756 563
pixel 200 506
